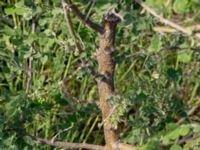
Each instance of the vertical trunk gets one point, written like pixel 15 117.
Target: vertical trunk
pixel 106 69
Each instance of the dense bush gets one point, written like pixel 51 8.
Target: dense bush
pixel 156 78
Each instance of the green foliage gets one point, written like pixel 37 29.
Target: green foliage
pixel 156 44
pixel 157 75
pixel 170 135
pixel 180 6
pixel 119 108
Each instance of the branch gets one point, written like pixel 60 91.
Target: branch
pixel 68 144
pixel 162 29
pixel 122 146
pixel 29 62
pixel 84 19
pixel 165 21
pixel 70 26
pixel 60 144
pixel 190 112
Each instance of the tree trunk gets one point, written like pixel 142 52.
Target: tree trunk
pixel 106 70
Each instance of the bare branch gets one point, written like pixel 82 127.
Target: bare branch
pixel 29 62
pixel 190 112
pixel 21 132
pixel 166 21
pixel 85 20
pixel 70 26
pixel 68 144
pixel 163 29
pixel 122 146
pixel 61 131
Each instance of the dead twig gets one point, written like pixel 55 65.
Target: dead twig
pixel 166 21
pixel 84 19
pixel 70 26
pixel 61 131
pixel 190 112
pixel 29 62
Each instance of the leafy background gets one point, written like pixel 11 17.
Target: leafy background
pixel 156 73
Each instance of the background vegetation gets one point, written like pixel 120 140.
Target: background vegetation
pixel 157 74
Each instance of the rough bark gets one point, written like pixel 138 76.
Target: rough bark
pixel 106 70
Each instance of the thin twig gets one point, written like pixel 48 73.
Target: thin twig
pixel 188 138
pixel 163 29
pixel 70 26
pixel 29 63
pixel 61 131
pixel 166 21
pixel 190 112
pixel 83 18
pixel 110 114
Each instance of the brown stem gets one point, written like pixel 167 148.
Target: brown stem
pixel 69 145
pixel 29 62
pixel 70 26
pixel 21 133
pixel 106 69
pixel 85 20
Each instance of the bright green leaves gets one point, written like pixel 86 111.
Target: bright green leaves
pixel 175 147
pixel 184 130
pixel 171 136
pixel 29 40
pixel 184 56
pixel 9 10
pixel 20 9
pixel 176 133
pixel 155 44
pixel 180 6
pixel 155 2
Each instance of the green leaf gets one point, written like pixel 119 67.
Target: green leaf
pixel 180 6
pixel 128 18
pixel 151 145
pixel 174 74
pixel 9 11
pixel 44 59
pixel 8 30
pixel 155 2
pixel 156 43
pixel 23 10
pixel 175 147
pixel 30 39
pixel 28 140
pixel 196 128
pixel 184 56
pixel 184 130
